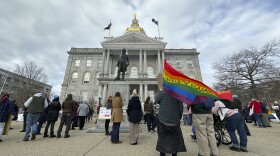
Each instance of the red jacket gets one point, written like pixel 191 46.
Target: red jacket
pixel 257 106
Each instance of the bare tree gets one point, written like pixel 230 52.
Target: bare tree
pixel 249 69
pixel 32 71
pixel 29 81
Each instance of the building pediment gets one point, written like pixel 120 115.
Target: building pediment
pixel 133 38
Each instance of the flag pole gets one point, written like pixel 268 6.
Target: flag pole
pixel 110 28
pixel 158 30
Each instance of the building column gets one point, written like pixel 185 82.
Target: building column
pixel 140 62
pixel 145 63
pixel 99 90
pixel 107 62
pixel 146 91
pixel 159 64
pixel 110 68
pixel 163 58
pixel 104 98
pixel 141 92
pixel 103 60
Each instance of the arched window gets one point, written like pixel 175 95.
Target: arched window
pixel 96 76
pixel 86 77
pixel 74 77
pixel 150 72
pixel 133 72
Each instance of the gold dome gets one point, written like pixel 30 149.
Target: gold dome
pixel 135 26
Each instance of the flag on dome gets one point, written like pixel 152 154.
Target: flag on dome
pixel 156 22
pixel 108 27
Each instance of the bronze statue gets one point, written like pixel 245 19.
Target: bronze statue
pixel 123 62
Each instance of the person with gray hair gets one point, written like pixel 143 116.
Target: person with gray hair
pixel 82 112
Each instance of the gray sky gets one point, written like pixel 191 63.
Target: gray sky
pixel 42 31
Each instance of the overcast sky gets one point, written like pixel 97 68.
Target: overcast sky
pixel 43 31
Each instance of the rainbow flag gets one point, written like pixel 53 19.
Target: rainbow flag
pixel 185 89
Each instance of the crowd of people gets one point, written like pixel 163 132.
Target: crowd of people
pixel 162 116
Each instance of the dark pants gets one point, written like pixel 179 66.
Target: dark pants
pixel 107 126
pixel 24 121
pixel 150 121
pixel 39 127
pixel 82 121
pixel 47 127
pixel 74 122
pixel 66 118
pixel 115 132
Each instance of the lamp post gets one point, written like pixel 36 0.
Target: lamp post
pixel 99 100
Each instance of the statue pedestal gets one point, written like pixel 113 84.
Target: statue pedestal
pixel 113 87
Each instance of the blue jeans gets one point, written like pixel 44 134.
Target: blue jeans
pixel 115 135
pixel 31 121
pixel 236 122
pixel 260 120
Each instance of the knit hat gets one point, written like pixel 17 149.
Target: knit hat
pixel 55 96
pixel 134 93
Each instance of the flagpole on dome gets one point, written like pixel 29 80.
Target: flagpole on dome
pixel 110 28
pixel 158 30
pixel 157 23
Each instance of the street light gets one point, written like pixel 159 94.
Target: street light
pixel 99 98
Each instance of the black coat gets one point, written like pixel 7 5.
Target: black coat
pixel 53 110
pixel 134 110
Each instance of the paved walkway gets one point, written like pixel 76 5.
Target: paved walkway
pixel 263 142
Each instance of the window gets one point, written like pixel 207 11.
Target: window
pixel 178 63
pixel 133 72
pixel 84 96
pixel 95 93
pixel 99 63
pixel 77 63
pixel 96 76
pixel 74 77
pixel 86 77
pixel 151 94
pixel 190 65
pixel 88 63
pixel 150 72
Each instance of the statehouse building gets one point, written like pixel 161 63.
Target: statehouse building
pixel 90 72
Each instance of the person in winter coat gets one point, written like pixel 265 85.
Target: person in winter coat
pixel 6 108
pixel 134 112
pixel 116 118
pixel 107 121
pixel 75 117
pixel 82 112
pixel 265 113
pixel 52 115
pixel 150 116
pixel 257 112
pixel 170 137
pixel 35 106
pixel 66 118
